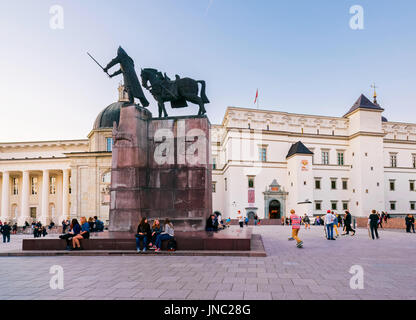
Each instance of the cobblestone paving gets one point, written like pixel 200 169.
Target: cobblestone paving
pixel 318 271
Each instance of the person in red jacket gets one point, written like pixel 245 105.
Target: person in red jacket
pixel 296 221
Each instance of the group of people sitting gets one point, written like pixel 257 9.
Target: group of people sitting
pixel 152 237
pixel 216 223
pixel 39 230
pixel 96 225
pixel 78 231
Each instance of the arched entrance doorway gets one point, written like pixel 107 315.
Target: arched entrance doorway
pixel 275 201
pixel 251 215
pixel 275 210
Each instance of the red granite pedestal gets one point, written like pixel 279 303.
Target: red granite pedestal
pixel 161 169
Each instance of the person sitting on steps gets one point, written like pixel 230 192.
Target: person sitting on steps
pixel 143 234
pixel 167 234
pixel 84 234
pixel 156 230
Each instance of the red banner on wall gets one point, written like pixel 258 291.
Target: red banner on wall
pixel 251 196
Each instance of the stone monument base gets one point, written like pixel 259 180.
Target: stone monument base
pixel 226 240
pixel 161 169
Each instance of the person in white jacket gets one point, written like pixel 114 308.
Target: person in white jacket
pixel 329 224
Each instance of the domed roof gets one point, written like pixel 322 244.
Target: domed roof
pixel 106 117
pixel 384 119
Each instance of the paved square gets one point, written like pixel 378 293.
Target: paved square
pixel 318 271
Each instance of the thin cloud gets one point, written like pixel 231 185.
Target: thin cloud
pixel 209 6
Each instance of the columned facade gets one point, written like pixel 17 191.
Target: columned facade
pixel 45 197
pixel 65 195
pixel 5 195
pixel 25 210
pixel 35 195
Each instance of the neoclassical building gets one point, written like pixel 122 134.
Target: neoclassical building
pixel 56 180
pixel 268 162
pixel 265 163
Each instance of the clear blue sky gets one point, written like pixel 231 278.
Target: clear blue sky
pixel 302 55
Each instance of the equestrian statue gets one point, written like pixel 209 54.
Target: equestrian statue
pixel 178 92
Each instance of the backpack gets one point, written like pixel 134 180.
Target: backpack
pixel 172 245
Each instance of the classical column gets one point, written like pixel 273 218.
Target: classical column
pixel 5 195
pixel 65 194
pixel 25 212
pixel 45 197
pixel 74 192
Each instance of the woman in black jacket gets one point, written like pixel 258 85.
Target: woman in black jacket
pixel 143 233
pixel 347 222
pixel 410 223
pixel 156 230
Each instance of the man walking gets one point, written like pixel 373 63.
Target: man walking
pixel 335 223
pixel 380 220
pixel 347 222
pixel 410 223
pixel 307 222
pixel 329 223
pixel 240 219
pixel 295 219
pixel 6 232
pixel 373 224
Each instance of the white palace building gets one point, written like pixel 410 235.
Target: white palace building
pixel 265 163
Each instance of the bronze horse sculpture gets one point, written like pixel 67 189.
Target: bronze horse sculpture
pixel 177 92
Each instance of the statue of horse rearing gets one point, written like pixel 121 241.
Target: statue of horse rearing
pixel 177 92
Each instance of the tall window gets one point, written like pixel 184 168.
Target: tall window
pixel 263 154
pixel 109 144
pixel 393 205
pixel 15 186
pixel 345 184
pixel 318 184
pixel 52 185
pixel 393 160
pixel 34 186
pixel 325 157
pixel 392 185
pixel 334 205
pixel 412 205
pixel 340 158
pixel 318 205
pixel 414 160
pixel 214 163
pixel 412 185
pixel 251 182
pixel 345 205
pixel 333 184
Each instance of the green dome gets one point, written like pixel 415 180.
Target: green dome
pixel 107 117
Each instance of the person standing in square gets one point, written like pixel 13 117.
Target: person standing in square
pixel 329 224
pixel 373 220
pixel 296 221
